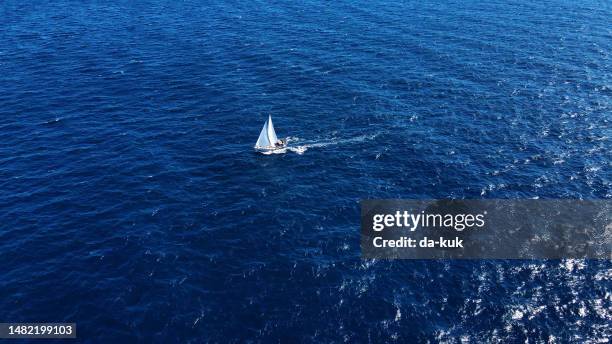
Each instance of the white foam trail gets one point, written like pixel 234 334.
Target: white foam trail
pixel 300 149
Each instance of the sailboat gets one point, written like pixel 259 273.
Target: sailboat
pixel 267 140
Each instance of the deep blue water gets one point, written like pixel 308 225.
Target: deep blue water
pixel 131 201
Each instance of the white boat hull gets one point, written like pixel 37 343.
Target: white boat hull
pixel 270 148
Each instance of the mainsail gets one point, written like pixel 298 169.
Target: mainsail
pixel 267 137
pixel 271 133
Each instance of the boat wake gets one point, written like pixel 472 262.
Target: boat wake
pixel 299 146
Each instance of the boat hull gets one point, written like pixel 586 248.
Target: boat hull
pixel 269 149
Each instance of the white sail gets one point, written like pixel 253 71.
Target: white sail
pixel 263 140
pixel 267 137
pixel 271 133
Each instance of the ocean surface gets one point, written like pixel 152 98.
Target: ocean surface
pixel 132 203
